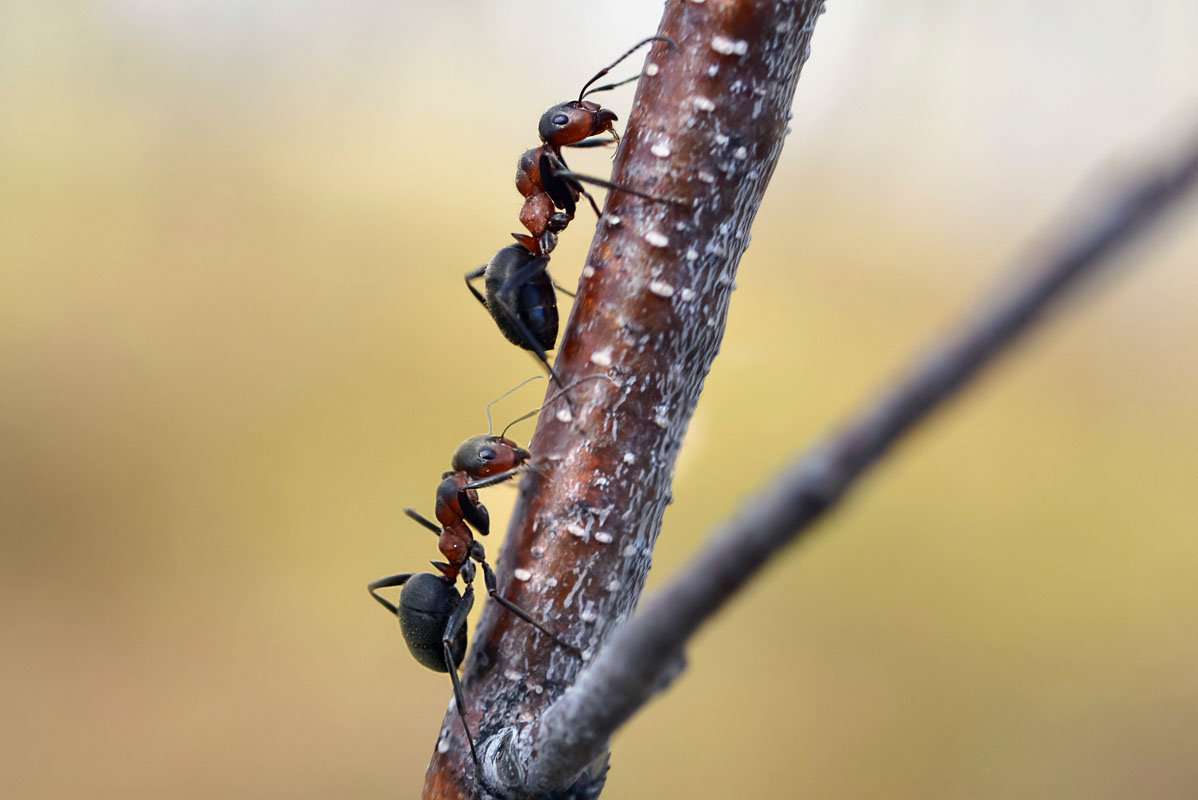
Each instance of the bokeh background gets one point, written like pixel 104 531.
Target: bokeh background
pixel 234 344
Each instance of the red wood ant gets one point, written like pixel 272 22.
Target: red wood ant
pixel 519 290
pixel 431 612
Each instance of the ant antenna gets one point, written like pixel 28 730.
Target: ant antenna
pixel 555 397
pixel 610 66
pixel 520 418
pixel 609 86
pixel 490 425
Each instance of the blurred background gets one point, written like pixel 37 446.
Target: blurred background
pixel 232 339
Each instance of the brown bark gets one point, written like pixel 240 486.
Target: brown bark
pixel 707 127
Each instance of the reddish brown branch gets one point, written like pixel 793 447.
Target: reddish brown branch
pixel 707 127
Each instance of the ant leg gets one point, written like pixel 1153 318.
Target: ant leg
pixel 493 591
pixel 387 583
pixel 482 483
pixel 596 141
pixel 456 621
pixel 590 200
pixel 474 513
pixel 563 289
pixel 414 514
pixel 615 187
pixel 474 275
pixel 504 295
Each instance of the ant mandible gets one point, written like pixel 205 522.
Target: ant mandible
pixel 431 612
pixel 519 290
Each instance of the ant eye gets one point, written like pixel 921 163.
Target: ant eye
pixel 560 119
pixel 486 454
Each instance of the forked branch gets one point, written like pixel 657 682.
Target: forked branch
pixel 706 128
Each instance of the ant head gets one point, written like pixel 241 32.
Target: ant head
pixel 569 123
pixel 483 456
pixel 425 606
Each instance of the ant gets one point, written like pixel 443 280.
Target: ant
pixel 431 612
pixel 519 290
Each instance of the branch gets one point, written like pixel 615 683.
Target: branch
pixel 707 127
pixel 644 651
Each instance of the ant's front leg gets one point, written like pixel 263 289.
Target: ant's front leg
pixel 473 511
pixel 482 483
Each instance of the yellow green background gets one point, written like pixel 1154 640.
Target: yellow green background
pixel 234 344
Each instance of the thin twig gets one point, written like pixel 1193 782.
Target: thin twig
pixel 640 655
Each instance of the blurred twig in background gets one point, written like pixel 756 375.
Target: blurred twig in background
pixel 642 654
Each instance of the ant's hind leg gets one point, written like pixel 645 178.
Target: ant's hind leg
pixel 387 583
pixel 416 515
pixel 474 275
pixel 456 621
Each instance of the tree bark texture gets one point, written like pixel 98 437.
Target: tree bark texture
pixel 707 127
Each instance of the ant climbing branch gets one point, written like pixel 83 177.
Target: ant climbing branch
pixel 650 314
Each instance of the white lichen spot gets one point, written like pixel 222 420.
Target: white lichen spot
pixel 576 530
pixel 588 272
pixel 588 616
pixel 740 153
pixel 629 458
pixel 536 688
pixel 630 551
pixel 512 675
pixel 691 255
pixel 601 358
pixel 613 220
pixel 614 585
pixel 661 289
pixel 442 746
pixel 661 421
pixel 721 139
pixel 713 70
pixel 551 581
pixel 564 415
pixel 650 69
pixel 688 294
pixel 602 537
pixel 703 103
pixel 728 47
pixel 705 176
pixel 657 238
pixel 521 574
pixel 722 44
pixel 661 150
